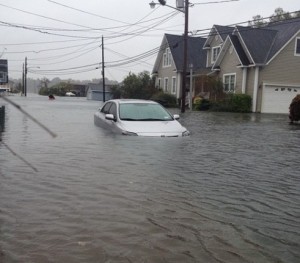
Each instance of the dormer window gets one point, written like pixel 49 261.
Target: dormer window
pixel 167 58
pixel 297 47
pixel 214 54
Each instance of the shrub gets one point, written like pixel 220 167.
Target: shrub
pixel 240 102
pixel 201 104
pixel 165 99
pixel 295 109
pixel 233 103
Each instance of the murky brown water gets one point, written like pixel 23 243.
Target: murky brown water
pixel 229 193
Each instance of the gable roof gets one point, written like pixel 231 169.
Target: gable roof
pixel 258 42
pixel 263 43
pixel 234 41
pixel 239 50
pixel 287 29
pixel 195 53
pixel 259 45
pixel 222 31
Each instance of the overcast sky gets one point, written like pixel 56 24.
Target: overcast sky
pixel 62 38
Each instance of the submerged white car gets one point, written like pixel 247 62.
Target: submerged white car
pixel 139 118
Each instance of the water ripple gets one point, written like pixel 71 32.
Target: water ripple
pixel 228 193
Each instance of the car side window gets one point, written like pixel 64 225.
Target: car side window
pixel 113 110
pixel 106 107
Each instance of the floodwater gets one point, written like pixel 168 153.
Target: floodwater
pixel 228 193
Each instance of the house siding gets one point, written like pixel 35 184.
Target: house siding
pixel 229 65
pixel 216 41
pixel 284 68
pixel 166 72
pixel 250 81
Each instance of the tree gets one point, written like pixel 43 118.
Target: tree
pixel 139 86
pixel 280 15
pixel 59 89
pixel 257 21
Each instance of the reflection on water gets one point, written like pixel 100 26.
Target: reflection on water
pixel 228 193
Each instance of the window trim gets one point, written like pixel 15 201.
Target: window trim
pixel 234 84
pixel 297 43
pixel 213 59
pixel 166 84
pixel 167 58
pixel 159 83
pixel 174 85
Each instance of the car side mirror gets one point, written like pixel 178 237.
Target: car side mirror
pixel 110 117
pixel 176 116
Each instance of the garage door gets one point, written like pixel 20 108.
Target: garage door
pixel 277 99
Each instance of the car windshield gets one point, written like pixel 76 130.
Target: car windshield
pixel 143 112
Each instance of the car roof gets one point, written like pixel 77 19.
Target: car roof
pixel 124 101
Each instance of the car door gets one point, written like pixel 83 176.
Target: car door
pixel 101 114
pixel 113 124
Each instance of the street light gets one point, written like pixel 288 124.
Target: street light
pixel 182 6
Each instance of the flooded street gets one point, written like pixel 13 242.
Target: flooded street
pixel 228 193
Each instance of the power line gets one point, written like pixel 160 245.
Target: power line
pixel 215 2
pixel 39 43
pixel 246 22
pixel 45 17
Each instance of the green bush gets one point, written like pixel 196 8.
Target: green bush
pixel 165 99
pixel 201 105
pixel 233 103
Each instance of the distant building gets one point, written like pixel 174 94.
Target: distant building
pixel 4 76
pixel 95 91
pixel 79 90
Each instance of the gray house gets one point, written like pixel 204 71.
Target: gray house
pixel 4 85
pixel 95 90
pixel 168 66
pixel 261 62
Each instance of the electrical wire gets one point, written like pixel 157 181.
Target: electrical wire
pixel 215 2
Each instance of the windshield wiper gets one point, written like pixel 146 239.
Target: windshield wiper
pixel 153 119
pixel 128 119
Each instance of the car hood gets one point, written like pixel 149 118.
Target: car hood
pixel 153 128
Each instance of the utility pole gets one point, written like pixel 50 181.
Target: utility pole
pixel 23 80
pixel 25 77
pixel 185 47
pixel 103 74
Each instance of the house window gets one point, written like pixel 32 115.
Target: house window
pixel 174 85
pixel 159 84
pixel 166 84
pixel 229 82
pixel 297 47
pixel 3 78
pixel 214 53
pixel 167 61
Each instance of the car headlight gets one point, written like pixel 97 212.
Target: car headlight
pixel 129 133
pixel 185 133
